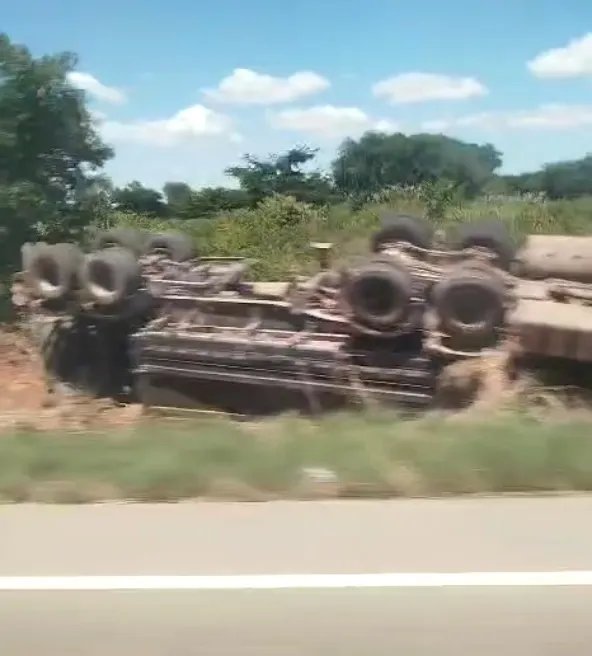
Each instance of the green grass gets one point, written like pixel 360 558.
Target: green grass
pixel 279 231
pixel 368 454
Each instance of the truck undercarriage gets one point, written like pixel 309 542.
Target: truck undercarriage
pixel 144 318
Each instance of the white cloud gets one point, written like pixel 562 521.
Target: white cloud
pixel 246 87
pixel 97 116
pixel 436 125
pixel 421 87
pixel 544 117
pixel 188 124
pixel 329 121
pixel 384 125
pixel 96 89
pixel 554 117
pixel 573 60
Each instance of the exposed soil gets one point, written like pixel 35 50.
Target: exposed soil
pixel 26 400
pixel 21 373
pixel 483 384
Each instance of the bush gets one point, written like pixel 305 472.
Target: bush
pixel 278 231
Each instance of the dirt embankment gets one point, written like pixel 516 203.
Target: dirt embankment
pixel 21 373
pixel 26 400
pixel 481 385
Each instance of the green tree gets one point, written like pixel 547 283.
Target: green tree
pixel 212 200
pixel 283 174
pixel 136 198
pixel 50 152
pixel 377 161
pixel 186 203
pixel 178 196
pixel 524 182
pixel 569 179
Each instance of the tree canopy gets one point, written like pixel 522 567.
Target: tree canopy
pixel 568 179
pixel 362 168
pixel 378 160
pixel 178 196
pixel 283 174
pixel 135 197
pixel 51 156
pixel 50 151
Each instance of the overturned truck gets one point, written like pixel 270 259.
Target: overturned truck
pixel 144 317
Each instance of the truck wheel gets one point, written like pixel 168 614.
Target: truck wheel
pixel 492 235
pixel 378 294
pixel 110 275
pixel 52 269
pixel 129 238
pixel 175 245
pixel 470 304
pixel 402 228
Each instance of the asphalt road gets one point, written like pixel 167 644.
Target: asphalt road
pixel 228 541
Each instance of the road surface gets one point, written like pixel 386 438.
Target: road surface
pixel 463 576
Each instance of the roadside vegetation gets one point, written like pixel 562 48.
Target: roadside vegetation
pixel 352 455
pixel 53 188
pixel 278 231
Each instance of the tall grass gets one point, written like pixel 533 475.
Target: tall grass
pixel 277 233
pixel 352 454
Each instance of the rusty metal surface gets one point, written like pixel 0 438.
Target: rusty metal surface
pixel 268 290
pixel 192 278
pixel 220 338
pixel 556 256
pixel 317 368
pixel 531 289
pixel 553 329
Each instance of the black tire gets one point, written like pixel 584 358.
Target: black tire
pixel 378 294
pixel 175 245
pixel 52 269
pixel 470 304
pixel 397 228
pixel 130 238
pixel 491 234
pixel 110 276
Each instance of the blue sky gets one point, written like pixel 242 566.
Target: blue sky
pixel 183 88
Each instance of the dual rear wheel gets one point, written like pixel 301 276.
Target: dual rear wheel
pixel 109 274
pixel 491 235
pixel 469 300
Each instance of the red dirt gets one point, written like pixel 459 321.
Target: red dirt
pixel 21 373
pixel 26 402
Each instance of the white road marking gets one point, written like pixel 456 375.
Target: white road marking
pixel 297 581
